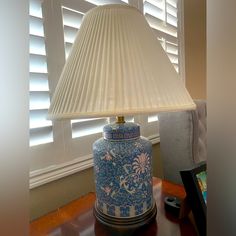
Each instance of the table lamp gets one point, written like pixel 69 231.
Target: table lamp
pixel 117 67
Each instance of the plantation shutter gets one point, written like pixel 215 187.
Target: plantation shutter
pixel 40 128
pixel 162 16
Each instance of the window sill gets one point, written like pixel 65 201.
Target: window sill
pixel 55 172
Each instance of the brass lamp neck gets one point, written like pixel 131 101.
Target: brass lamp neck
pixel 120 120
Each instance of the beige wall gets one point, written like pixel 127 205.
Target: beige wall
pixel 157 163
pixel 195 47
pixel 49 197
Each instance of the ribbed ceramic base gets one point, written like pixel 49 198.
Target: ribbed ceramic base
pixel 126 223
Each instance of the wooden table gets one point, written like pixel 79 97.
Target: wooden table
pixel 76 218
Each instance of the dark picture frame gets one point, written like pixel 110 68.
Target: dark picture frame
pixel 195 185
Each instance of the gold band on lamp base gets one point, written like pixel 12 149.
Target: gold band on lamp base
pixel 120 120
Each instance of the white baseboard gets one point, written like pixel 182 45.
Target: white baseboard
pixel 52 173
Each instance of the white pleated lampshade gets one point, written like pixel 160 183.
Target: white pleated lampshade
pixel 117 67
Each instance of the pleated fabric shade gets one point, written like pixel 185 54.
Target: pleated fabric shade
pixel 117 67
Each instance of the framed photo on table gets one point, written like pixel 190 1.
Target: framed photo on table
pixel 195 184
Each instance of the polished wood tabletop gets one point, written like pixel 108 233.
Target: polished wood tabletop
pixel 77 219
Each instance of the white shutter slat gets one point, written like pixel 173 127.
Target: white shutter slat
pixel 72 18
pixel 173 58
pixel 158 3
pixel 38 119
pixel 36 26
pixel 39 100
pixel 38 63
pixel 37 45
pixel 38 82
pixel 152 118
pixel 102 2
pixel 162 35
pixel 158 24
pixel 171 10
pixel 173 3
pixel 171 48
pixel 82 5
pixel 84 127
pixel 35 8
pixel 154 10
pixel 68 47
pixel 70 34
pixel 41 135
pixel 129 118
pixel 172 20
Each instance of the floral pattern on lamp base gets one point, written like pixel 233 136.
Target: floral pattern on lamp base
pixel 123 172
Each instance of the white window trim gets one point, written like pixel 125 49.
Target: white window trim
pixel 52 173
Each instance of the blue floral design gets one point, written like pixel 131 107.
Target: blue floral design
pixel 124 178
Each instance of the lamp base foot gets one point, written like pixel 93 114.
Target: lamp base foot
pixel 126 223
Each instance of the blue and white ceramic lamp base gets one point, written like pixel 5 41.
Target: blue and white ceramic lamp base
pixel 123 177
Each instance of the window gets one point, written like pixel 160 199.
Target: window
pixel 61 148
pixel 162 16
